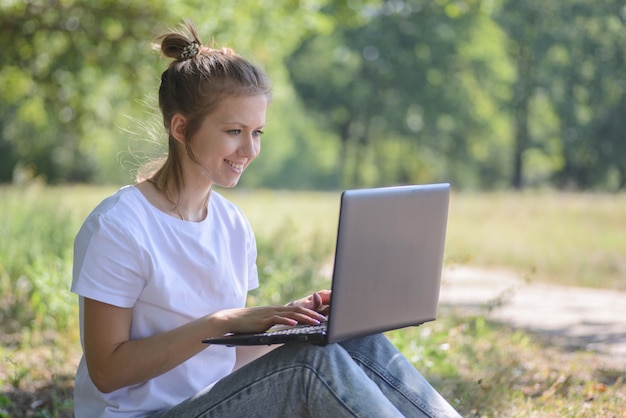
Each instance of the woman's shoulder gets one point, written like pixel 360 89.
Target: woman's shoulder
pixel 124 198
pixel 118 210
pixel 109 221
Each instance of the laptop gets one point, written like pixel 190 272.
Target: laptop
pixel 387 269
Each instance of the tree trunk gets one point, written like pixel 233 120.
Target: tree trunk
pixel 524 88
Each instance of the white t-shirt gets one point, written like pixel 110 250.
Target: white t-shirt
pixel 130 254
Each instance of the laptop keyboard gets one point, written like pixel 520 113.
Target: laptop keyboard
pixel 300 329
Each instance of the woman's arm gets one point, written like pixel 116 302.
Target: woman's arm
pixel 114 361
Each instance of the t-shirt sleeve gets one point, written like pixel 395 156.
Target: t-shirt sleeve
pixel 106 264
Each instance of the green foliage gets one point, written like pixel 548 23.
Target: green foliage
pixel 36 260
pixel 569 53
pixel 77 74
pixel 60 54
pixel 17 374
pixel 5 402
pixel 487 369
pixel 484 94
pixel 463 79
pixel 412 80
pixel 290 266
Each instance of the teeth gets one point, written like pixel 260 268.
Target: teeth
pixel 234 165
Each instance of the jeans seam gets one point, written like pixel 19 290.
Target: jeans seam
pixel 391 381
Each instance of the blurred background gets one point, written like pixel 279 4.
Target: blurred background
pixel 486 94
pixel 519 104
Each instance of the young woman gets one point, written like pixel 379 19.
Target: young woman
pixel 163 264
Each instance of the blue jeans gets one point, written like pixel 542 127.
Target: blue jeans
pixel 364 377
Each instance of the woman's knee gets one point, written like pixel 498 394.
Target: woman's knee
pixel 307 354
pixel 339 355
pixel 328 362
pixel 369 344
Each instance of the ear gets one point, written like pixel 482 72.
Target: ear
pixel 178 128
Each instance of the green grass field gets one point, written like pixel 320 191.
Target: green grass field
pixel 483 368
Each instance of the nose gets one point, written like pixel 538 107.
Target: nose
pixel 251 145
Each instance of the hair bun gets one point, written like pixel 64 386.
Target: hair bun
pixel 182 44
pixel 190 51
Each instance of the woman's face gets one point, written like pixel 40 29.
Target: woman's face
pixel 228 139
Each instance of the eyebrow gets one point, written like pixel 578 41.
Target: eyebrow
pixel 243 125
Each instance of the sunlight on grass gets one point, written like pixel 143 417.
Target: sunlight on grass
pixel 309 212
pixel 488 370
pixel 573 239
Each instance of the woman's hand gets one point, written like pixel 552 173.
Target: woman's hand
pixel 259 319
pixel 109 350
pixel 318 302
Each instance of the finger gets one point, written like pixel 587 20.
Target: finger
pixel 282 320
pixel 305 315
pixel 317 301
pixel 325 294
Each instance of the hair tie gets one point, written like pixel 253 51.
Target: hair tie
pixel 190 51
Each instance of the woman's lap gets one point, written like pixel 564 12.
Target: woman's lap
pixel 358 378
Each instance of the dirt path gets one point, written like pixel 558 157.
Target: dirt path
pixel 568 317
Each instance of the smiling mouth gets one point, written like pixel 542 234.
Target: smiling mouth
pixel 236 166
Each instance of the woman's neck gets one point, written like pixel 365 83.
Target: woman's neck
pixel 192 204
pixel 188 204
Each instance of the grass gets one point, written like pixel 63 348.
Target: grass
pixel 489 370
pixel 485 369
pixel 563 238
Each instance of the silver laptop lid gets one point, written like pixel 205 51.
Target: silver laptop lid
pixel 388 259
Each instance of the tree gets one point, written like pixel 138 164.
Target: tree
pixel 571 53
pixel 523 22
pixel 397 91
pixel 68 71
pixel 584 74
pixel 79 77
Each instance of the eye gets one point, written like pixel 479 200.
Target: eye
pixel 258 133
pixel 233 132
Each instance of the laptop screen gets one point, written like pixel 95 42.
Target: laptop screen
pixel 388 259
